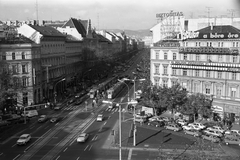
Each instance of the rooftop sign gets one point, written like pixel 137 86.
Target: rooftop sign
pixel 171 14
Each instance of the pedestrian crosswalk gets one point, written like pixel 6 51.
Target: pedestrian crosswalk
pixel 70 108
pixel 114 110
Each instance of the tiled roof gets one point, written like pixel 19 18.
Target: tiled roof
pixel 74 23
pixel 20 39
pixel 219 29
pixel 47 31
pixel 84 23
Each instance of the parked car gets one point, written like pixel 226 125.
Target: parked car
pixel 55 119
pixel 165 119
pixel 182 122
pixel 99 118
pixel 216 128
pixel 213 132
pixel 187 127
pixel 154 118
pixel 24 139
pixel 82 137
pixel 140 119
pixel 156 123
pixel 228 141
pixel 211 138
pixel 42 118
pixel 193 132
pixel 173 127
pixel 237 132
pixel 199 125
pixel 56 108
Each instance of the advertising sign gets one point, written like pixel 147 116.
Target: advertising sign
pixel 198 35
pixel 171 14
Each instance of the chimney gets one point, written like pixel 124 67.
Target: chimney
pixel 211 25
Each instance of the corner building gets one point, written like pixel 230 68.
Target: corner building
pixel 209 63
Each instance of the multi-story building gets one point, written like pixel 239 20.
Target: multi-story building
pixel 22 60
pixel 209 63
pixel 53 57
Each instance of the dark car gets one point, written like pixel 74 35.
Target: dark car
pixel 55 119
pixel 156 123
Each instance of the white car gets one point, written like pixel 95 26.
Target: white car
pixel 216 128
pixel 199 125
pixel 24 139
pixel 212 132
pixel 187 127
pixel 237 132
pixel 82 137
pixel 99 118
pixel 182 122
pixel 154 118
pixel 42 118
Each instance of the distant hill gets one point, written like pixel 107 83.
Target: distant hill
pixel 133 33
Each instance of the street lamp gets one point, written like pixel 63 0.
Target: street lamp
pixel 55 93
pixel 134 113
pixel 120 123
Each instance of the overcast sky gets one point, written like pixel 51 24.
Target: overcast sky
pixel 114 14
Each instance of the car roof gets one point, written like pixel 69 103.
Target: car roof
pixel 24 135
pixel 82 134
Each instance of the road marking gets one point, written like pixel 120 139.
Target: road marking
pixel 90 148
pixel 16 157
pixel 86 148
pixel 56 124
pixel 95 138
pixel 14 145
pixel 104 123
pixel 38 127
pixel 65 149
pixel 78 158
pixel 31 127
pixel 57 157
pixel 1 154
pixel 46 127
pixel 130 154
pixel 28 147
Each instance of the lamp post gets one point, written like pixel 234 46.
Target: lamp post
pixel 134 111
pixel 120 124
pixel 55 93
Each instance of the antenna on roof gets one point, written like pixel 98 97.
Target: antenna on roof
pixel 98 20
pixel 37 10
pixel 208 8
pixel 232 12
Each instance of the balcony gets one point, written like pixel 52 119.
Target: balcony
pixel 204 65
pixel 208 50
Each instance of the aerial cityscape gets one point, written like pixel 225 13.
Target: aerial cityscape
pixel 111 79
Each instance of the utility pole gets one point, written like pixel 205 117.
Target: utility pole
pixel 47 74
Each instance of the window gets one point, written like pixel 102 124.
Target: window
pixel 174 72
pixel 222 44
pixel 25 98
pixel 219 44
pixel 174 56
pixel 156 69
pixel 13 56
pixel 233 92
pixel 208 57
pixel 184 72
pixel 186 44
pixel 199 43
pixel 197 57
pixel 208 74
pixel 219 91
pixel 184 56
pixel 157 55
pixel 165 56
pixel 16 82
pixel 165 69
pixel 197 73
pixel 220 58
pixel 234 76
pixel 23 55
pixel 24 68
pixel 156 82
pixel 235 59
pixel 207 44
pixel 236 44
pixel 210 44
pixel 4 57
pixel 165 83
pixel 207 89
pixel 25 81
pixel 233 44
pixel 14 69
pixel 196 88
pixel 219 75
pixel 196 44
